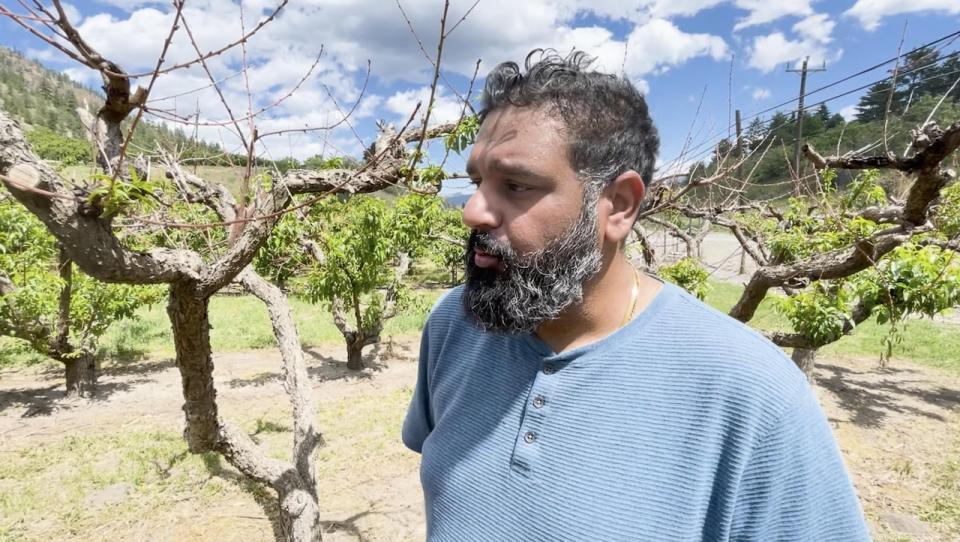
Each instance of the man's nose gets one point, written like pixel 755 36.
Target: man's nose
pixel 478 214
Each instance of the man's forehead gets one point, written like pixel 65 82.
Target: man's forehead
pixel 516 139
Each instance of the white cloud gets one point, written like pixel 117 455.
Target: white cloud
pixel 83 76
pixel 817 27
pixel 352 32
pixel 669 8
pixel 73 14
pixel 445 108
pixel 761 93
pixel 870 12
pixel 767 11
pixel 848 113
pixel 659 44
pixel 815 34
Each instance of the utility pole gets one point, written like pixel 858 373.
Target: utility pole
pixel 743 186
pixel 803 90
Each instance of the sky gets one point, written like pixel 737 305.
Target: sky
pixel 695 60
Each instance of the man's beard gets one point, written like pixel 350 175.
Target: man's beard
pixel 536 287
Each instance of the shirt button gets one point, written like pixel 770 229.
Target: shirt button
pixel 530 437
pixel 548 369
pixel 538 401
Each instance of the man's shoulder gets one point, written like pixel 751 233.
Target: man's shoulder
pixel 448 321
pixel 705 341
pixel 448 310
pixel 694 320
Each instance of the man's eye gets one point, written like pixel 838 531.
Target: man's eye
pixel 515 187
pixel 475 182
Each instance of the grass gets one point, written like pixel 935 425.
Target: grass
pixel 926 342
pixel 241 323
pixel 45 490
pixel 237 323
pixel 944 504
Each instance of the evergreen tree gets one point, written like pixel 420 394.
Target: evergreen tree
pixel 919 71
pixel 872 105
pixel 756 133
pixel 940 82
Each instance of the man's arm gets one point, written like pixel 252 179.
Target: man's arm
pixel 795 486
pixel 419 420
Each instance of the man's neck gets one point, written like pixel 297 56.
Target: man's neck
pixel 607 299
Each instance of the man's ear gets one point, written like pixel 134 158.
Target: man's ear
pixel 625 194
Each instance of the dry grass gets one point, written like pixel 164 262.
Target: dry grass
pixel 50 492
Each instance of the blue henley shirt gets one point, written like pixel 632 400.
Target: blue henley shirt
pixel 682 425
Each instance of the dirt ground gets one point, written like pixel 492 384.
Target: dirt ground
pixel 895 427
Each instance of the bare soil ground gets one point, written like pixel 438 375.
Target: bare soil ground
pixel 894 426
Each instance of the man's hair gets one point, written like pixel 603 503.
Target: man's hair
pixel 610 130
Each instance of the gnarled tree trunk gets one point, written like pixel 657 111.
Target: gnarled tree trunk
pixel 805 358
pixel 81 375
pixel 355 346
pixel 294 483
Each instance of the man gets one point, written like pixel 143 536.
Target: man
pixel 564 396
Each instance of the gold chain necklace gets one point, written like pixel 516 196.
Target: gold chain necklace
pixel 635 291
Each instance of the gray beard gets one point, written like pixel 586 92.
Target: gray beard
pixel 535 287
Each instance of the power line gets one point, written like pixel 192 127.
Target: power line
pixel 717 138
pixel 861 72
pixel 824 101
pixel 712 140
pixel 803 85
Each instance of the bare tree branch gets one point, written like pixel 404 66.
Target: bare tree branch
pixel 87 238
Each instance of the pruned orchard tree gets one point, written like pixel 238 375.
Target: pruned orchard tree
pixel 59 313
pixel 85 220
pixel 363 251
pixel 448 240
pixel 843 256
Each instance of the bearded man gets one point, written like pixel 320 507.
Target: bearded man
pixel 561 394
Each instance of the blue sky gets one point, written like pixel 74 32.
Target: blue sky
pixel 728 53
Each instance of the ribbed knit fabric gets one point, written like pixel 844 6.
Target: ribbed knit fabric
pixel 682 425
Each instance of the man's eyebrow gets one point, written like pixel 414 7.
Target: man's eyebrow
pixel 513 169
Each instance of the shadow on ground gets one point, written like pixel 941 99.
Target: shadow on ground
pixel 872 395
pixel 322 368
pixel 50 397
pixel 44 401
pixel 268 502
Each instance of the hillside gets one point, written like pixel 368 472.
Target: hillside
pixel 51 102
pixel 37 96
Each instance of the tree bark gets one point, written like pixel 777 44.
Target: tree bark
pixel 297 489
pixel 189 316
pixel 805 358
pixel 355 346
pixel 81 374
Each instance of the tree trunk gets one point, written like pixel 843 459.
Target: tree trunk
pixel 296 489
pixel 189 317
pixel 805 359
pixel 81 373
pixel 355 352
pixel 299 515
pixel 453 275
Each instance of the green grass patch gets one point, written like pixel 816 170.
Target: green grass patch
pixel 924 341
pixel 944 505
pixel 237 323
pixel 51 491
pixel 241 323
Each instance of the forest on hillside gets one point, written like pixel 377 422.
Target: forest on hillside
pixel 923 80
